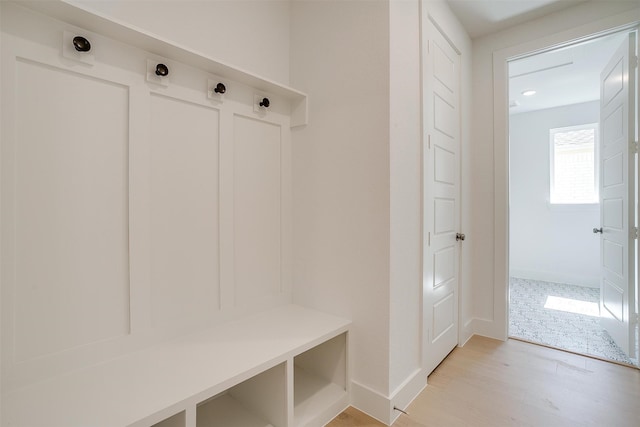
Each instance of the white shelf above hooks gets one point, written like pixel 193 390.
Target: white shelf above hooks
pixel 81 16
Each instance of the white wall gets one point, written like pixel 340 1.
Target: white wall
pixel 405 166
pixel 548 242
pixel 340 57
pixel 488 296
pixel 250 34
pixel 357 180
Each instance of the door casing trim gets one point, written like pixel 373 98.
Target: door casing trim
pixel 498 326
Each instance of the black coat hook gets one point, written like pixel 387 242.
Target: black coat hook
pixel 162 70
pixel 220 88
pixel 265 103
pixel 81 44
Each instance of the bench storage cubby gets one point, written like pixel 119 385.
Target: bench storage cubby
pixel 260 401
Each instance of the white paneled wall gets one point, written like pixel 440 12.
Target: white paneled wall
pixel 184 211
pixel 257 190
pixel 138 206
pixel 69 195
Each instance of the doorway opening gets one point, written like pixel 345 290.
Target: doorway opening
pixel 573 198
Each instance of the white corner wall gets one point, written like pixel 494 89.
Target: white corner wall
pixel 405 204
pixel 250 34
pixel 547 242
pixel 487 176
pixel 340 58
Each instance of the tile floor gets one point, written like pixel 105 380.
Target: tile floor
pixel 562 316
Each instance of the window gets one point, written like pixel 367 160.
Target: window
pixel 574 166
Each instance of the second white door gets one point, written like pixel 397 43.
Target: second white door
pixel 617 195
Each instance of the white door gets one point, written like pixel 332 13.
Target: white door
pixel 441 175
pixel 617 189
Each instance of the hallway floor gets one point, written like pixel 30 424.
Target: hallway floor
pixel 562 316
pixel 507 384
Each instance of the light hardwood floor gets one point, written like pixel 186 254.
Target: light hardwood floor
pixel 493 383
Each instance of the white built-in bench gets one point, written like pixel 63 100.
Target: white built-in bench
pixel 284 367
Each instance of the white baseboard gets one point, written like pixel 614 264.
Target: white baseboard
pixel 381 407
pixel 466 332
pixel 488 328
pixel 370 402
pixel 549 276
pixel 407 392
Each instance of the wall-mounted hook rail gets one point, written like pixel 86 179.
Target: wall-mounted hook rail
pixel 162 70
pixel 220 88
pixel 81 44
pixel 265 103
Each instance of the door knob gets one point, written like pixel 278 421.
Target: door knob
pixel 460 236
pixel 597 230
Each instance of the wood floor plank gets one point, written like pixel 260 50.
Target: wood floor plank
pixel 493 383
pixel 351 417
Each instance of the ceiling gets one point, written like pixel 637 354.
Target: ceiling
pixel 482 17
pixel 565 76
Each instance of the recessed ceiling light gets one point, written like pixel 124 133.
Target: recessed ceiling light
pixel 529 92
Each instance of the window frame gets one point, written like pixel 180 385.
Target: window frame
pixel 596 163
